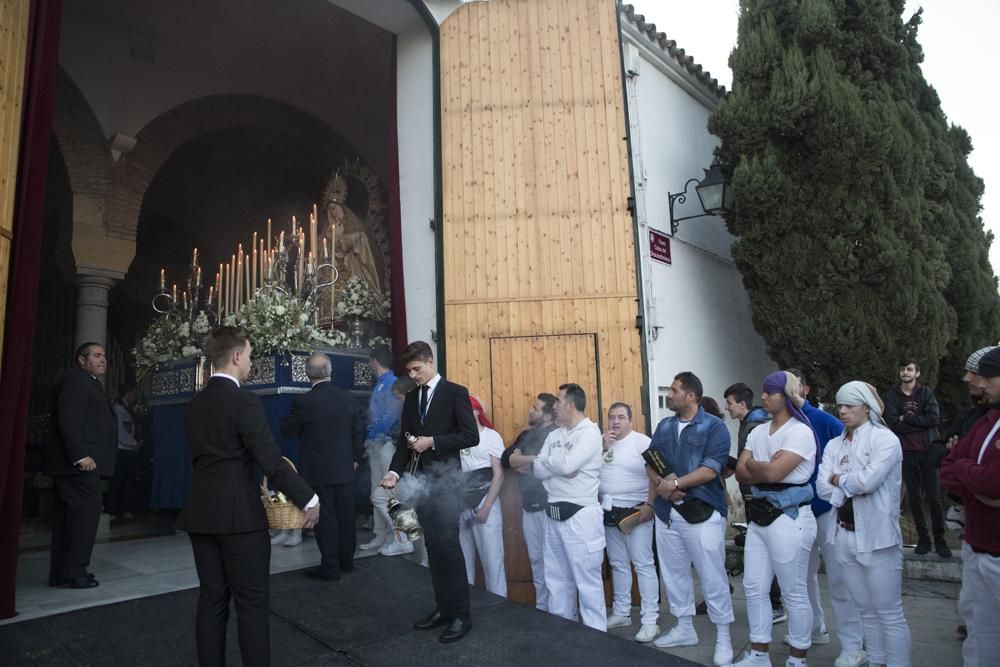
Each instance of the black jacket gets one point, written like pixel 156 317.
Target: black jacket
pixel 927 418
pixel 230 439
pixel 530 442
pixel 330 433
pixel 449 420
pixel 83 424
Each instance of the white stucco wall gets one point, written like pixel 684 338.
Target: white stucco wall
pixel 699 300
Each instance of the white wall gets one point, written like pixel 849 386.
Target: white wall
pixel 699 299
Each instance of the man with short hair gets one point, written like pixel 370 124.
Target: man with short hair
pixel 329 429
pixel 121 497
pixel 690 515
pixel 541 422
pixel 230 439
pixel 80 452
pixel 972 470
pixel 625 487
pixel 380 445
pixel 911 411
pixel 437 424
pixel 849 632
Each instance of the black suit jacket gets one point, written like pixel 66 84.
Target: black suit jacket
pixel 449 420
pixel 330 433
pixel 230 438
pixel 83 424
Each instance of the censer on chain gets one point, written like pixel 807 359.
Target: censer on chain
pixel 404 518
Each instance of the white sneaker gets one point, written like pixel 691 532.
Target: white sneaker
pixel 851 659
pixel 821 636
pixel 294 538
pixel 395 548
pixel 779 615
pixel 677 637
pixel 280 537
pixel 750 660
pixel 723 654
pixel 374 544
pixel 616 621
pixel 647 632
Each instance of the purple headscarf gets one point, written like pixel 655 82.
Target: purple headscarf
pixel 783 382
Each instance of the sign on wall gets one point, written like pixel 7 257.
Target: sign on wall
pixel 659 246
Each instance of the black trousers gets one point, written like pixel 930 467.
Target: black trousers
pixel 75 515
pixel 438 517
pixel 237 567
pixel 920 477
pixel 122 490
pixel 335 532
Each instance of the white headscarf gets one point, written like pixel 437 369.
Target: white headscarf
pixel 857 392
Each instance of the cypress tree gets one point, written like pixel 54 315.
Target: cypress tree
pixel 828 138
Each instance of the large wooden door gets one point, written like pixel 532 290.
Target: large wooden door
pixel 13 50
pixel 523 367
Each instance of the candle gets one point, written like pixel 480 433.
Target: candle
pixel 263 263
pixel 239 275
pixel 326 250
pixel 253 264
pixel 269 234
pixel 281 242
pixel 313 229
pixel 194 258
pixel 184 298
pixel 233 284
pixel 302 256
pixel 197 278
pixel 210 291
pixel 218 288
pixel 163 281
pixel 174 294
pixel 293 225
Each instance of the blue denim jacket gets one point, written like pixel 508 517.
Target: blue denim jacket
pixel 787 499
pixel 827 428
pixel 383 409
pixel 704 442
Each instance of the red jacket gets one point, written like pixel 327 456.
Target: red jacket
pixel 962 475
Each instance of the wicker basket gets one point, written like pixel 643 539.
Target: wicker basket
pixel 282 514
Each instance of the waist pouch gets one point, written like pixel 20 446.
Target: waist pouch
pixel 762 511
pixel 694 510
pixel 562 511
pixel 625 518
pixel 845 513
pixel 533 507
pixel 477 485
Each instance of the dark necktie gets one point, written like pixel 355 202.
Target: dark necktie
pixel 423 403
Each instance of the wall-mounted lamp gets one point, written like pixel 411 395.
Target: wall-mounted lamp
pixel 714 193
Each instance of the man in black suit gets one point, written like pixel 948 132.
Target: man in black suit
pixel 230 439
pixel 439 417
pixel 331 438
pixel 79 453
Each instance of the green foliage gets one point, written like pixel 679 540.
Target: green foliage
pixel 857 223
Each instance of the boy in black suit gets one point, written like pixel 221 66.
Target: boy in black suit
pixel 230 439
pixel 440 418
pixel 331 438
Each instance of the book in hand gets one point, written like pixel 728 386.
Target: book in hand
pixel 655 460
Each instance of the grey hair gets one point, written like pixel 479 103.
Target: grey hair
pixel 318 367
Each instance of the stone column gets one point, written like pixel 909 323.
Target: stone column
pixel 92 309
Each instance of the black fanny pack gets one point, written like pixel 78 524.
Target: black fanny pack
pixel 477 485
pixel 625 518
pixel 694 510
pixel 845 514
pixel 562 511
pixel 762 511
pixel 533 507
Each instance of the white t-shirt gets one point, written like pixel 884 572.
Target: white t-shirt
pixel 490 445
pixel 793 436
pixel 623 470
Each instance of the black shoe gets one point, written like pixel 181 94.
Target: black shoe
pixel 962 631
pixel 347 568
pixel 458 628
pixel 56 582
pixel 942 549
pixel 82 582
pixel 315 573
pixel 923 547
pixel 435 620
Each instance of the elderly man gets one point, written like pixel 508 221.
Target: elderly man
pixel 330 433
pixel 972 471
pixel 861 475
pixel 80 453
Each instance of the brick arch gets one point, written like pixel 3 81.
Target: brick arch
pixel 188 121
pixel 81 140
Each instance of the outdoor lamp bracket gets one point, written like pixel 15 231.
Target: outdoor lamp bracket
pixel 714 194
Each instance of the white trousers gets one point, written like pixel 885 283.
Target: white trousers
pixel 980 600
pixel 844 611
pixel 574 553
pixel 380 454
pixel 533 526
pixel 682 544
pixel 876 587
pixel 780 550
pixel 624 551
pixel 486 540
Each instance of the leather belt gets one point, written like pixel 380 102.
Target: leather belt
pixel 846 526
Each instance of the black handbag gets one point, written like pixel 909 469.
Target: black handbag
pixel 477 485
pixel 694 510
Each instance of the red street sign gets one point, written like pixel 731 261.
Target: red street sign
pixel 659 246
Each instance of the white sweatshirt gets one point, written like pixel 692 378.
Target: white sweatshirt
pixel 569 464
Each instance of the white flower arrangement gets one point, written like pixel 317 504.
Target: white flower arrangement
pixel 377 341
pixel 279 323
pixel 355 300
pixel 168 338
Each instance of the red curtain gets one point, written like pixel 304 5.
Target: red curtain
pixel 395 225
pixel 22 291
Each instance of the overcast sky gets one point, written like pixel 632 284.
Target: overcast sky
pixel 960 60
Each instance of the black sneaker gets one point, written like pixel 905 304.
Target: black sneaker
pixel 923 547
pixel 942 549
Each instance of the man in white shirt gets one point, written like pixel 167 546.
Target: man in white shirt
pixel 624 484
pixel 569 465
